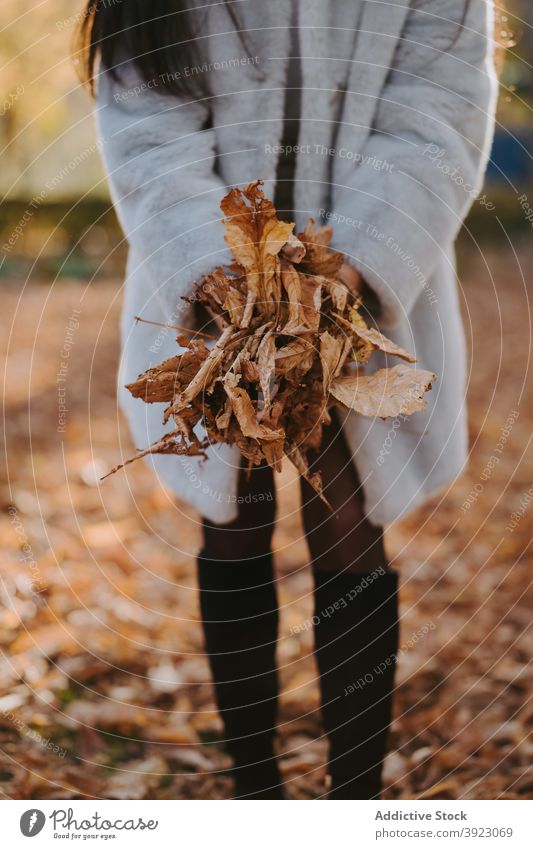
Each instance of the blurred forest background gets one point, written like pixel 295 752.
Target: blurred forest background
pixel 104 691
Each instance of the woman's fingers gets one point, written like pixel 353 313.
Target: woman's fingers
pixel 350 277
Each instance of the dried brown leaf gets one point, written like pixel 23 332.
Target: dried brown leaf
pixel 297 354
pixel 331 349
pixel 381 343
pixel 266 363
pixel 255 237
pixel 246 416
pixel 319 258
pixel 387 392
pixel 203 378
pixel 291 283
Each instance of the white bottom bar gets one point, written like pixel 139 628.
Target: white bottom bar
pixel 268 825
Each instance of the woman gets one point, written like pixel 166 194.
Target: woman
pixel 375 117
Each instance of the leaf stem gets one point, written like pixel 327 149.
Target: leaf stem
pixel 176 327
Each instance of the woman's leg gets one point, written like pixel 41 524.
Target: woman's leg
pixel 240 620
pixel 356 634
pixel 340 539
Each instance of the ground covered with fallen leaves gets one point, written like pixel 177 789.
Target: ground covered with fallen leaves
pixel 104 689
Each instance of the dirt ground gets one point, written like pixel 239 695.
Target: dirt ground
pixel 104 690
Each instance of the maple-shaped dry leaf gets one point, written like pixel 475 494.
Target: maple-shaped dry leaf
pixel 247 417
pixel 388 392
pixel 255 237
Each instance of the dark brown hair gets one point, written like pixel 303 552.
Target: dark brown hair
pixel 159 36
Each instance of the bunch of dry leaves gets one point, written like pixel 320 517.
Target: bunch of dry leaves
pixel 293 344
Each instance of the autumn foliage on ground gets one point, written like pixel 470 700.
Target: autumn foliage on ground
pixel 104 688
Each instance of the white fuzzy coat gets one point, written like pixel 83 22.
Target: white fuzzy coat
pixel 397 117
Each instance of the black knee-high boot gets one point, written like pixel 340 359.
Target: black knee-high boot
pixel 240 621
pixel 356 645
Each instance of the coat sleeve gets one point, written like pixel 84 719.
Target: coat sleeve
pixel 431 134
pixel 159 157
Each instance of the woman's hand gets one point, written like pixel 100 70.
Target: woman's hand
pixel 351 278
pixel 358 286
